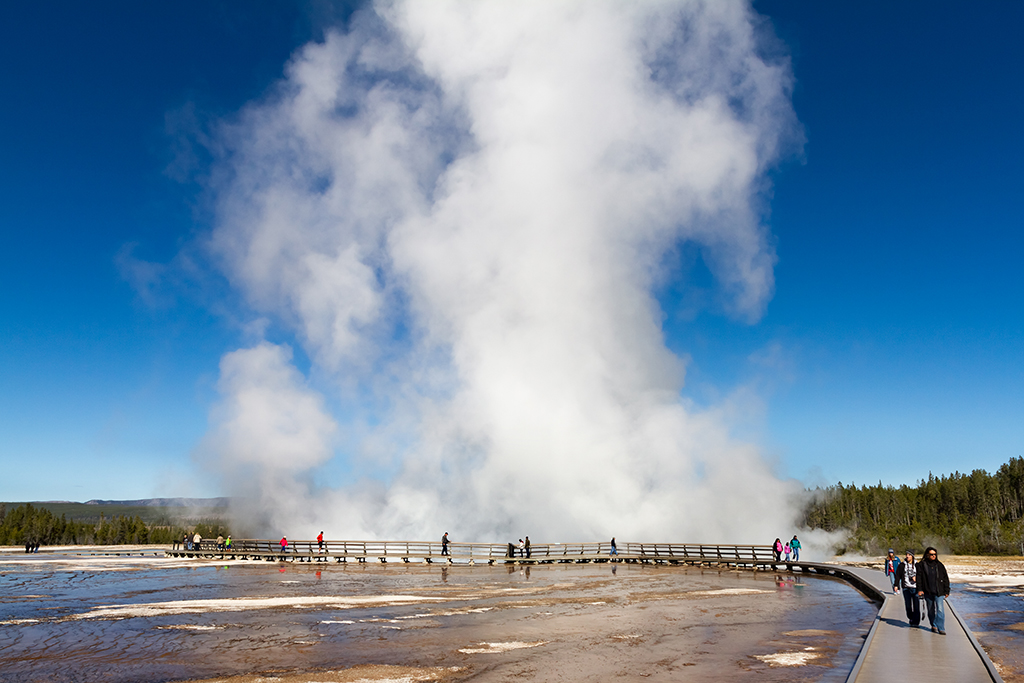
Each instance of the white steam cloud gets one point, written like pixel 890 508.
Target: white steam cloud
pixel 460 210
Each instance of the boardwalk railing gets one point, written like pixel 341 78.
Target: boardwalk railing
pixel 472 553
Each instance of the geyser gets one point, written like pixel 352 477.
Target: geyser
pixel 460 211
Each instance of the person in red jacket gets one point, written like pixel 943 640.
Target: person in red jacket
pixel 891 563
pixel 284 544
pixel 320 541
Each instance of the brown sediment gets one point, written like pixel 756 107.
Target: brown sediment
pixel 370 673
pixel 571 623
pixel 654 635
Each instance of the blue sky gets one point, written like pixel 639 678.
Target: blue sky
pixel 893 345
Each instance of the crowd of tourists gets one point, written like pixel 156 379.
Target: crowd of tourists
pixel 195 542
pixel 926 581
pixel 790 548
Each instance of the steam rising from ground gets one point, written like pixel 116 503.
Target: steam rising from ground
pixel 460 211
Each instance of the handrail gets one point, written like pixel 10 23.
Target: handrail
pixel 657 552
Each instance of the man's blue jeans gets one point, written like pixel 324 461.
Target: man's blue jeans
pixel 936 610
pixel 796 554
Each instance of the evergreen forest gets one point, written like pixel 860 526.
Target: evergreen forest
pixel 28 524
pixel 963 514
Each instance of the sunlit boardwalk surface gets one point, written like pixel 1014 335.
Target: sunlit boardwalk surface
pixel 892 648
pixel 895 649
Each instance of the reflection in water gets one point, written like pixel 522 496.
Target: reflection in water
pixel 789 582
pixel 75 623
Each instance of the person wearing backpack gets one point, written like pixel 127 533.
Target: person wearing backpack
pixel 892 563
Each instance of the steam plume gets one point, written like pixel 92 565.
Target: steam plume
pixel 460 210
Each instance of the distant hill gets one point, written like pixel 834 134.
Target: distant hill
pixel 166 502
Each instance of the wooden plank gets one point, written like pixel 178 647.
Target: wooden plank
pixel 899 647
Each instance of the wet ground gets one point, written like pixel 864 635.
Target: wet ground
pixel 996 616
pixel 71 618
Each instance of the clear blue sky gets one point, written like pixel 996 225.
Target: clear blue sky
pixel 894 343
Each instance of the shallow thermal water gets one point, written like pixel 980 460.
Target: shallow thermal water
pixel 996 617
pixel 69 618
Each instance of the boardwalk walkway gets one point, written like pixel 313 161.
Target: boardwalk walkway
pixel 893 649
pixel 896 650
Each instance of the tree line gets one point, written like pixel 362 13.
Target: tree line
pixel 965 514
pixel 28 524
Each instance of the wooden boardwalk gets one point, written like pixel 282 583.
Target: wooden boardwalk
pixel 895 650
pixel 892 649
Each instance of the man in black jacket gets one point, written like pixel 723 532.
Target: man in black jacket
pixel 933 586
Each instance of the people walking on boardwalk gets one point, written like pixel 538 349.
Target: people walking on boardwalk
pixel 284 544
pixel 795 545
pixel 906 579
pixel 320 541
pixel 615 550
pixel 777 549
pixel 522 548
pixel 891 563
pixel 227 542
pixel 527 546
pixel 787 549
pixel 444 545
pixel 220 543
pixel 933 586
pixel 196 541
